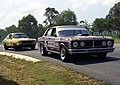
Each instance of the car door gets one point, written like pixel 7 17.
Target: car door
pixel 51 40
pixel 8 40
pixel 47 38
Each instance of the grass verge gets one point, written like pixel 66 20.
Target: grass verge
pixel 117 40
pixel 20 72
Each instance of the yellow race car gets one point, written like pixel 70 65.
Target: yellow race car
pixel 17 41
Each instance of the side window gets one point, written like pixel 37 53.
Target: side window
pixel 9 36
pixel 54 32
pixel 48 33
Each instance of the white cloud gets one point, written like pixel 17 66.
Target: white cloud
pixel 75 4
pixel 91 2
pixel 84 4
pixel 14 10
pixel 109 2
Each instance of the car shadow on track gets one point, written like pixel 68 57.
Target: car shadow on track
pixel 85 59
pixel 4 81
pixel 21 50
pixel 91 60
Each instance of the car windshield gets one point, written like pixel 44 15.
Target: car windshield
pixel 20 36
pixel 73 32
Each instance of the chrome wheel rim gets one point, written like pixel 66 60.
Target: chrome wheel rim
pixel 63 54
pixel 41 49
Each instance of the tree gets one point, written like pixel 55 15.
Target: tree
pixel 3 33
pixel 50 13
pixel 12 29
pixel 29 26
pixel 66 17
pixel 41 30
pixel 100 24
pixel 114 17
pixel 84 23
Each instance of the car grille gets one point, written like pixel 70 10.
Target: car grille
pixel 92 43
pixel 27 42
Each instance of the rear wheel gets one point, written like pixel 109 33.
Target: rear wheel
pixel 43 50
pixel 5 47
pixel 102 55
pixel 63 54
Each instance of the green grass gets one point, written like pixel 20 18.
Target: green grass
pixel 21 72
pixel 117 40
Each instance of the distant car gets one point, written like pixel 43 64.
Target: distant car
pixel 66 40
pixel 18 40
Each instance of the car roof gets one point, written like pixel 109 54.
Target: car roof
pixel 68 26
pixel 16 33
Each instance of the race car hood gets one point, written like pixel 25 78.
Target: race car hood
pixel 88 37
pixel 22 39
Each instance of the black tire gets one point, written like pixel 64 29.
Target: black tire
pixel 102 55
pixel 33 47
pixel 63 54
pixel 43 50
pixel 5 47
pixel 15 47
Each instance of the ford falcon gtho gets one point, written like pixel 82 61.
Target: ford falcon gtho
pixel 18 40
pixel 66 40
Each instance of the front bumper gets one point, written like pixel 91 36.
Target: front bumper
pixel 91 50
pixel 26 45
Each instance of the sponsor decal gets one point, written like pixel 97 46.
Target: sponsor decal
pixel 115 32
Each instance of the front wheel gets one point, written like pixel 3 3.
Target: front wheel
pixel 43 50
pixel 63 54
pixel 5 47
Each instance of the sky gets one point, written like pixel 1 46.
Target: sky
pixel 11 11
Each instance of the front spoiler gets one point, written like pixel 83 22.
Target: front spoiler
pixel 26 45
pixel 91 50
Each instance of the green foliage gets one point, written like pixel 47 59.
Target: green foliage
pixel 3 33
pixel 50 13
pixel 111 22
pixel 29 26
pixel 66 17
pixel 12 29
pixel 114 16
pixel 41 30
pixel 100 24
pixel 21 72
pixel 84 23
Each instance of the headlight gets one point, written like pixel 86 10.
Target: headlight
pixel 82 44
pixel 104 43
pixel 109 43
pixel 75 44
